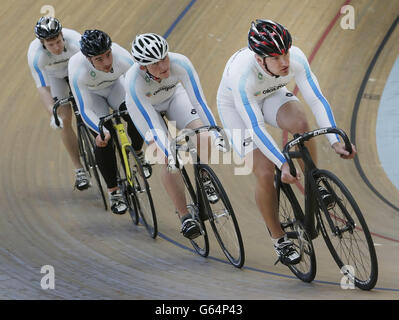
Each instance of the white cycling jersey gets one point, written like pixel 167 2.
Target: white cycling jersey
pixel 44 65
pixel 94 90
pixel 245 86
pixel 146 98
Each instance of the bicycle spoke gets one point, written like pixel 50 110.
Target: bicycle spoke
pixel 349 242
pixel 222 217
pixel 288 208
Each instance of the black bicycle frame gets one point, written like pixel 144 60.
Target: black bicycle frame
pixel 310 176
pixel 195 195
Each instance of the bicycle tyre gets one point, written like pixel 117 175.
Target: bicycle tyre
pixel 86 149
pixel 349 244
pixel 142 194
pixel 223 219
pixel 291 218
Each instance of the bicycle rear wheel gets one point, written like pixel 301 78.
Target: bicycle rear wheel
pixel 349 239
pixel 222 218
pixel 291 216
pixel 142 192
pixel 86 150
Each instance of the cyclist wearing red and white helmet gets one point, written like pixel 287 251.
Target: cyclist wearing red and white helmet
pixel 48 58
pixel 253 92
pixel 163 82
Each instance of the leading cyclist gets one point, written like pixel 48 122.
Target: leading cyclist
pixel 253 91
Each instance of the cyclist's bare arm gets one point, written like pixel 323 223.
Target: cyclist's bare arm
pixel 47 99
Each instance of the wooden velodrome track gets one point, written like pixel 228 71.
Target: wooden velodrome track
pixel 97 255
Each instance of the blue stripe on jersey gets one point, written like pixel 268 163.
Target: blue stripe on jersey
pixel 39 73
pixel 145 114
pixel 254 121
pixel 81 103
pixel 316 90
pixel 196 90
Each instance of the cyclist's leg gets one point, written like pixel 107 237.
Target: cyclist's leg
pixel 265 193
pixel 266 200
pixel 173 182
pixel 285 111
pixel 59 90
pixel 174 186
pixel 185 116
pixel 96 106
pixel 106 161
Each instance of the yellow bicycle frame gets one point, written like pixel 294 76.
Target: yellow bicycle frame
pixel 124 142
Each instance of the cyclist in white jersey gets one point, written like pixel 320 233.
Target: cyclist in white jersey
pixel 166 83
pixel 48 57
pixel 96 74
pixel 253 92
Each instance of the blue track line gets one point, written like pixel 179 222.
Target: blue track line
pixel 181 15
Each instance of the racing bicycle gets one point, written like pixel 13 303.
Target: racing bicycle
pixel 131 176
pixel 329 209
pixel 86 145
pixel 219 211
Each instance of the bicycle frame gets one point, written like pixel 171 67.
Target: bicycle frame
pixel 310 176
pixel 189 146
pixel 310 204
pixel 121 136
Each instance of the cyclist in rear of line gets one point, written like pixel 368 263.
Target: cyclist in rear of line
pixel 253 91
pixel 96 74
pixel 48 58
pixel 163 82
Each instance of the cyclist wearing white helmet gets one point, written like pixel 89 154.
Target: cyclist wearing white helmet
pixel 253 92
pixel 163 82
pixel 48 57
pixel 96 74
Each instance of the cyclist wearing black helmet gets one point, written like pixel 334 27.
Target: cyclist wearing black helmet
pixel 48 57
pixel 96 74
pixel 253 92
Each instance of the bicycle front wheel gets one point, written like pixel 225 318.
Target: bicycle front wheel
pixel 222 217
pixel 86 150
pixel 140 188
pixel 346 234
pixel 291 217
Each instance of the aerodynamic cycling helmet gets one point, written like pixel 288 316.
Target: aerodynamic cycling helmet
pixel 47 27
pixel 268 38
pixel 149 48
pixel 94 43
